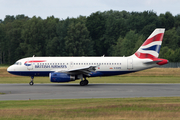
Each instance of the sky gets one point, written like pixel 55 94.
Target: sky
pixel 73 8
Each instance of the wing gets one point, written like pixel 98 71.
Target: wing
pixel 83 70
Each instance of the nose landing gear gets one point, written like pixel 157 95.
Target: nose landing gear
pixel 31 82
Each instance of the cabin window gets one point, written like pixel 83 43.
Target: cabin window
pixel 67 63
pixel 109 63
pixel 76 63
pixel 18 63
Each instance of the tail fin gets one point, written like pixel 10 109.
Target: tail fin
pixel 151 47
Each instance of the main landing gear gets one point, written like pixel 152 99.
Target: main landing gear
pixel 84 82
pixel 31 82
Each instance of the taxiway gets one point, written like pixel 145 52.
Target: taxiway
pixel 74 91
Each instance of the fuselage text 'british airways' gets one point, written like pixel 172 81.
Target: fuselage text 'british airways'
pixel 50 66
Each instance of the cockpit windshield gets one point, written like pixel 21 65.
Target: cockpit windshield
pixel 17 63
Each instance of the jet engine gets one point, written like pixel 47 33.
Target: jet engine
pixel 61 77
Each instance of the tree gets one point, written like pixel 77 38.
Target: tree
pixel 129 44
pixel 2 46
pixel 34 37
pixel 167 20
pixel 171 39
pixel 77 40
pixel 96 26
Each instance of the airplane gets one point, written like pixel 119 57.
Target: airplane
pixel 66 69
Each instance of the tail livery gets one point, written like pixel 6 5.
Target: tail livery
pixel 151 47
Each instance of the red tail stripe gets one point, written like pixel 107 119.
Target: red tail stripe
pixel 145 56
pixel 157 37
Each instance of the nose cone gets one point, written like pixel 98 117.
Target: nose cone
pixel 9 69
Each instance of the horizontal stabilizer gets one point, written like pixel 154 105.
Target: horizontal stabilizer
pixel 152 62
pixel 158 61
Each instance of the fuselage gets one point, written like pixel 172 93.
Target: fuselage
pixel 106 66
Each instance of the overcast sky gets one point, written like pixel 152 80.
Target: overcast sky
pixel 73 8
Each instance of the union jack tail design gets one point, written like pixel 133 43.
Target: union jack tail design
pixel 151 47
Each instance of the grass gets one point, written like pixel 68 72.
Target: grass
pixel 164 108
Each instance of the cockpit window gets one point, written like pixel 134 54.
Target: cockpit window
pixel 18 63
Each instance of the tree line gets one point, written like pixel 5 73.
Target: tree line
pixel 109 33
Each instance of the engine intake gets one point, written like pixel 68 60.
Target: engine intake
pixel 61 77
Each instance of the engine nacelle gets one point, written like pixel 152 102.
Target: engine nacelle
pixel 61 77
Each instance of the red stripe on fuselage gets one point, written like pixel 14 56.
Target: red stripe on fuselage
pixel 34 61
pixel 157 37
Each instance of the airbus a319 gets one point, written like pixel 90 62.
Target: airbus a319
pixel 66 69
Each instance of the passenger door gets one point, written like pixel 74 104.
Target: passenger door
pixel 129 64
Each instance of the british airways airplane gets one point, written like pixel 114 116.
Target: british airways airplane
pixel 66 69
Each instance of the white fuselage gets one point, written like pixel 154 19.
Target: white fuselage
pixel 106 66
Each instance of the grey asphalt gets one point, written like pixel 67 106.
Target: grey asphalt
pixel 71 91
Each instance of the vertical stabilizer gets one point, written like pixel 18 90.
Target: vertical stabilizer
pixel 151 47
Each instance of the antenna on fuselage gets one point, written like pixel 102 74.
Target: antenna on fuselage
pixel 33 55
pixel 103 56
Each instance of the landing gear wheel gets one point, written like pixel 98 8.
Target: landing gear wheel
pixel 86 82
pixel 31 83
pixel 82 83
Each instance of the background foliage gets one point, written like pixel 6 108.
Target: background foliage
pixel 110 33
